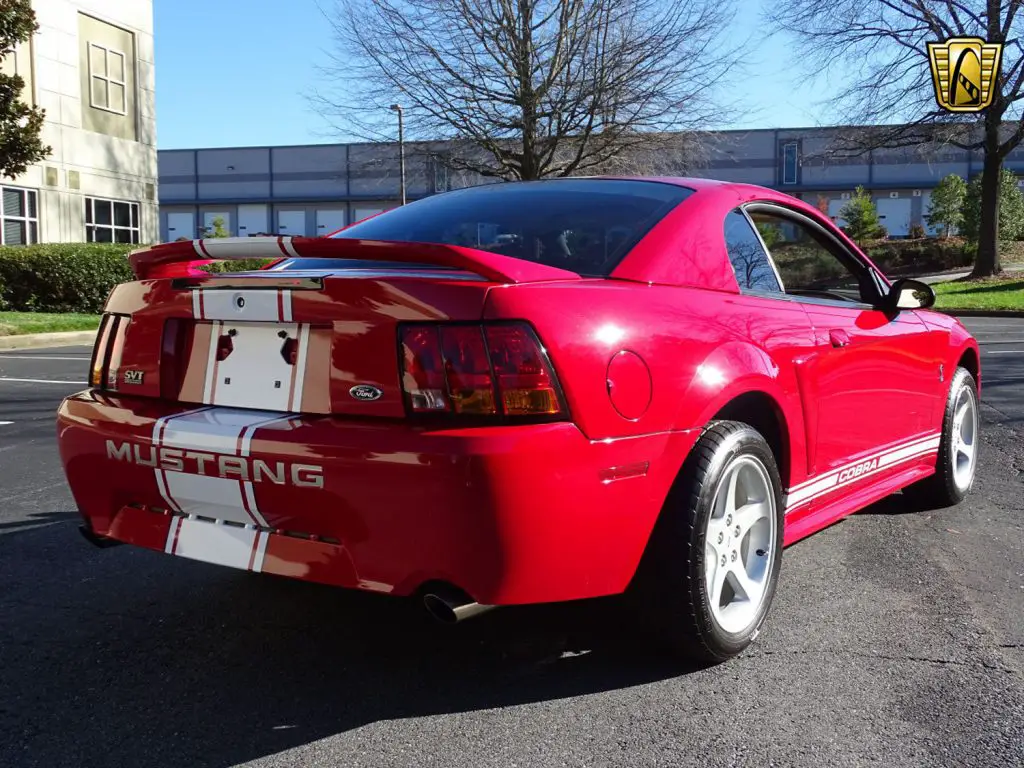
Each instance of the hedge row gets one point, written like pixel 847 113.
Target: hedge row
pixel 72 277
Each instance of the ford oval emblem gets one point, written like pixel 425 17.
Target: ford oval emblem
pixel 365 392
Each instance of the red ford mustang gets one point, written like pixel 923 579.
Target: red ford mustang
pixel 523 393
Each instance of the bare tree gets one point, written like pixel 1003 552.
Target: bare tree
pixel 879 47
pixel 524 89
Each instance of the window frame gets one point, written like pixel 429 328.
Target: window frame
pixel 89 207
pixel 865 273
pixel 106 78
pixel 31 222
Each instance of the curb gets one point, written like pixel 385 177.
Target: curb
pixel 41 340
pixel 982 312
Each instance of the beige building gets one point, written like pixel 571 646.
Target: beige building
pixel 90 66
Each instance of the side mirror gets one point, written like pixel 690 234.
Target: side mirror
pixel 909 294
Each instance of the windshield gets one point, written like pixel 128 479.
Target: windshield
pixel 583 225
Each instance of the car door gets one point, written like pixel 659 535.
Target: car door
pixel 875 378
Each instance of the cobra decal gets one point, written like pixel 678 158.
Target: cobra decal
pixel 857 471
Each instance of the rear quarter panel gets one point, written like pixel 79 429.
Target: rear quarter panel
pixel 702 348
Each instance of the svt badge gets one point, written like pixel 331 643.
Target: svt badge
pixel 133 377
pixel 366 393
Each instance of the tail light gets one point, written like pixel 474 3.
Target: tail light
pixel 106 353
pixel 489 370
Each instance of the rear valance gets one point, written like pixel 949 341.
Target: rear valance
pixel 180 259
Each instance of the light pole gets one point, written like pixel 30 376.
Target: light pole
pixel 401 151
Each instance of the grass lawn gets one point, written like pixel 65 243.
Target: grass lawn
pixel 18 323
pixel 997 293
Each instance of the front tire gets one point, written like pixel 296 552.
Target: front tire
pixel 957 462
pixel 711 571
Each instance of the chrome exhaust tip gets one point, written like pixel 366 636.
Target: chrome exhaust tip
pixel 451 608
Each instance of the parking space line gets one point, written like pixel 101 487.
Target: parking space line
pixel 1004 351
pixel 43 381
pixel 5 423
pixel 84 358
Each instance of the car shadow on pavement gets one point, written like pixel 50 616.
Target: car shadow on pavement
pixel 128 657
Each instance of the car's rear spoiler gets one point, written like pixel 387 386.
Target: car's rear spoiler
pixel 181 258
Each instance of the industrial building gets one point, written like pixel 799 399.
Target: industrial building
pixel 90 66
pixel 316 189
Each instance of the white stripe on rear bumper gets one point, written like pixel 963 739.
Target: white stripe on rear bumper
pixel 220 431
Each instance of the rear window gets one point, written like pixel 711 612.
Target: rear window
pixel 583 225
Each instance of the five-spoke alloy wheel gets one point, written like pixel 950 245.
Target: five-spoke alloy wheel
pixel 957 462
pixel 711 568
pixel 740 533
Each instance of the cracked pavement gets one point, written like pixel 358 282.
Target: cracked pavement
pixel 896 637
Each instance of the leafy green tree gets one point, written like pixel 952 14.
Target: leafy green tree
pixel 218 228
pixel 20 124
pixel 946 209
pixel 1011 208
pixel 770 233
pixel 861 217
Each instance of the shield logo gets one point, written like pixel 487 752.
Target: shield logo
pixel 965 71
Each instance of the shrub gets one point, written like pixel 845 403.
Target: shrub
pixel 61 277
pixel 1011 208
pixel 908 257
pixel 73 277
pixel 946 207
pixel 917 232
pixel 861 216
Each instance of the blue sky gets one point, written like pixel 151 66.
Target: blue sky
pixel 237 73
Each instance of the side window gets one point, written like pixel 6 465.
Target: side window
pixel 809 265
pixel 749 261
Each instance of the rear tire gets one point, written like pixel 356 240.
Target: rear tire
pixel 712 566
pixel 957 462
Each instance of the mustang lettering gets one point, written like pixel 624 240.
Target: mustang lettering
pixel 217 465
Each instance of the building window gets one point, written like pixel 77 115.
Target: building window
pixel 790 161
pixel 20 219
pixel 107 79
pixel 111 221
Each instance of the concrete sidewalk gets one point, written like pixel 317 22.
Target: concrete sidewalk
pixel 38 340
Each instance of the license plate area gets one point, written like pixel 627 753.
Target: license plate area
pixel 248 365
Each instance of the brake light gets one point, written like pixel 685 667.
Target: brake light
pixel 525 381
pixel 106 353
pixel 495 369
pixel 99 352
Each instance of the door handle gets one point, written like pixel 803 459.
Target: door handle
pixel 838 337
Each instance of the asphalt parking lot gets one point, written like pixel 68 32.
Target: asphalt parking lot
pixel 896 638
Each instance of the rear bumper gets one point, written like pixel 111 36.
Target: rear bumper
pixel 509 514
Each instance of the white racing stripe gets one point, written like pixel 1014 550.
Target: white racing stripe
pixel 220 432
pixel 870 465
pixel 228 545
pixel 295 400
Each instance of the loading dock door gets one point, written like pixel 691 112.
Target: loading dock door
pixel 329 220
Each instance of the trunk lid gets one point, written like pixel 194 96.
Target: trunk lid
pixel 306 343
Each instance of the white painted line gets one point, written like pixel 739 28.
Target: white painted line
pixel 43 381
pixel 5 423
pixel 1001 341
pixel 1004 352
pixel 86 358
